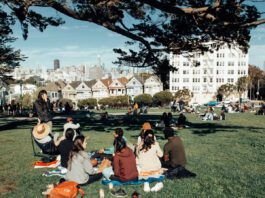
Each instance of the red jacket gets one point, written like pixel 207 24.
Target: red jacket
pixel 124 165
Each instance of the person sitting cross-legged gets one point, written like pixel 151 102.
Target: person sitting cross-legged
pixel 80 168
pixel 174 158
pixel 148 161
pixel 124 163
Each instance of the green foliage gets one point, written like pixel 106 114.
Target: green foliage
pixel 10 57
pixel 106 101
pixel 115 101
pixel 27 101
pixel 63 101
pixel 184 94
pixel 162 98
pixel 226 90
pixel 90 102
pixel 242 84
pixel 143 99
pixel 157 28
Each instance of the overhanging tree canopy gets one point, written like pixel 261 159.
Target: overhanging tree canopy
pixel 158 27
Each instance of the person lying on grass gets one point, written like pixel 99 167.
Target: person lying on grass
pixel 124 163
pixel 148 161
pixel 80 168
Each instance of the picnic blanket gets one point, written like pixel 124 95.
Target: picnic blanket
pixel 56 172
pixel 41 164
pixel 140 181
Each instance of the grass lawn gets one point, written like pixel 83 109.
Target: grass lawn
pixel 227 156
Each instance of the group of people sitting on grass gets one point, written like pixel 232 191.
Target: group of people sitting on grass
pixel 167 120
pixel 210 115
pixel 123 161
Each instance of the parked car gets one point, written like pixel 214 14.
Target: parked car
pixel 211 103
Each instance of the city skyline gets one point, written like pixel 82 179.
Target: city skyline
pixel 78 43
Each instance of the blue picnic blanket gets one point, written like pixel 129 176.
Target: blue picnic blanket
pixel 140 181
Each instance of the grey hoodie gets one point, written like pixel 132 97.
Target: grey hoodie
pixel 80 168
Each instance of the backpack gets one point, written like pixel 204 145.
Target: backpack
pixel 67 189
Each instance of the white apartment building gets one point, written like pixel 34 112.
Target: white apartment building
pixel 222 66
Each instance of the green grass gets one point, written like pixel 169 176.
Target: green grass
pixel 227 156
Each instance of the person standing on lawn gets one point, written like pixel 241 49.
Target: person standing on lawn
pixel 42 108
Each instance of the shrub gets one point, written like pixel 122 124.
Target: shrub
pixel 162 98
pixel 184 94
pixel 143 99
pixel 90 102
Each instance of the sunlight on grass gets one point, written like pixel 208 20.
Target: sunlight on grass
pixel 227 156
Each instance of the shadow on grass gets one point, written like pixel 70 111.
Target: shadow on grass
pixel 87 123
pixel 203 129
pixel 130 123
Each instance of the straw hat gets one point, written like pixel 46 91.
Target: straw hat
pixel 40 131
pixel 146 126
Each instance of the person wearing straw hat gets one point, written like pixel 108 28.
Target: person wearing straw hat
pixel 44 139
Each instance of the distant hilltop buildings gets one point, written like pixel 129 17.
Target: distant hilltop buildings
pixel 71 73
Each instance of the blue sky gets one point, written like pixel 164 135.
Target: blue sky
pixel 77 42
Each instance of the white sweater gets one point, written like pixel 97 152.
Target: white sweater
pixel 149 160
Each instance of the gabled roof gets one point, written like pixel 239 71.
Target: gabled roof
pixel 141 80
pixel 61 84
pixel 54 86
pixel 75 84
pixel 90 83
pixel 106 82
pixel 123 80
pixel 155 77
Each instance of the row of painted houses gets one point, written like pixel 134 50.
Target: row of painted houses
pixel 103 88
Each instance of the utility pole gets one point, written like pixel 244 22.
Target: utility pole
pixel 258 90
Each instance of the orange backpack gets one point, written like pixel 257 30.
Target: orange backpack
pixel 67 189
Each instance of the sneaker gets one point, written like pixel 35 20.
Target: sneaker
pixel 157 187
pixel 146 187
pixel 119 193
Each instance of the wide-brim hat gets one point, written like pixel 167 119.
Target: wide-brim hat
pixel 40 131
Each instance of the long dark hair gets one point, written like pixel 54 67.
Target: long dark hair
pixel 119 132
pixel 149 140
pixel 69 134
pixel 41 93
pixel 77 147
pixel 43 103
pixel 119 144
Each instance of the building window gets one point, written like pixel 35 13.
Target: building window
pixel 185 71
pixel 204 80
pixel 185 80
pixel 83 86
pixel 230 63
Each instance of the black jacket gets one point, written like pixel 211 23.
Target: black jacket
pixel 43 110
